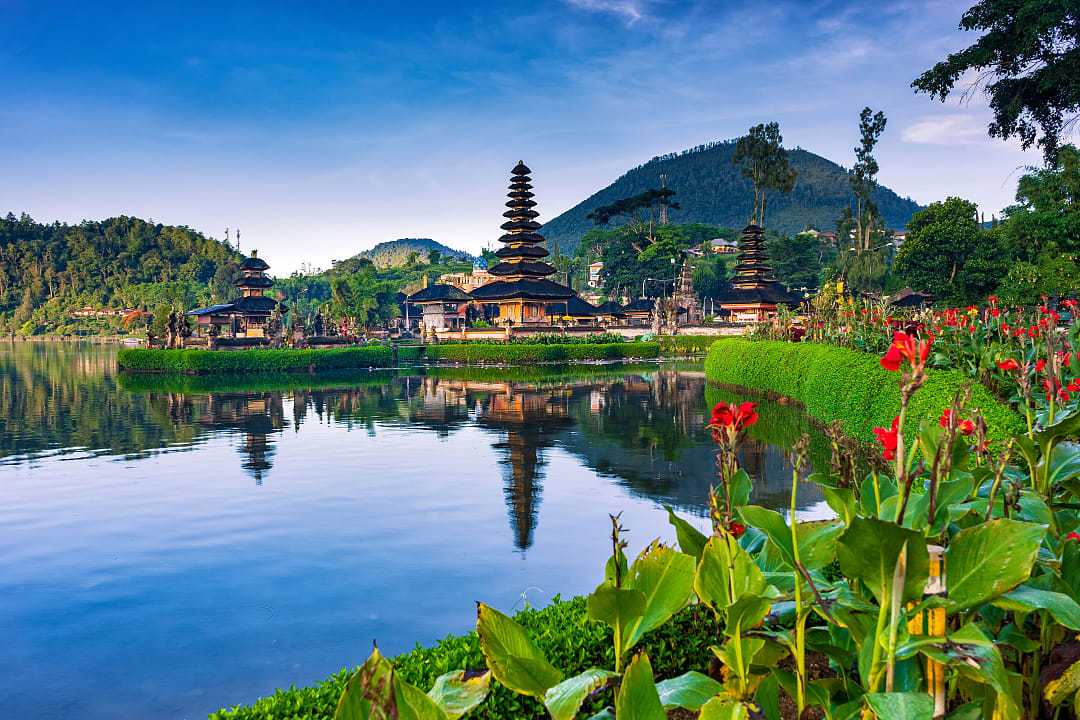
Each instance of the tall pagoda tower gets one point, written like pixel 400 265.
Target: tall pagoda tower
pixel 755 293
pixel 522 291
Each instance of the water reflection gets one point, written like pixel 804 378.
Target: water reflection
pixel 155 530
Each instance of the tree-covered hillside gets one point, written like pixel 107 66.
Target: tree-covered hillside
pixel 46 271
pixel 397 252
pixel 710 189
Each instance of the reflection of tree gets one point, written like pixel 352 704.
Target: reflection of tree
pixel 257 417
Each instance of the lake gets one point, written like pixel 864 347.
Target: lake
pixel 170 546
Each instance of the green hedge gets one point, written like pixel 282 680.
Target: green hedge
pixel 571 641
pixel 522 353
pixel 686 344
pixel 254 360
pixel 847 385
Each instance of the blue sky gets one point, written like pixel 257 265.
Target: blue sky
pixel 321 128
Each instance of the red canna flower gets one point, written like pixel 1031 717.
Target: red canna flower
pixel 905 347
pixel 1008 365
pixel 1040 365
pixel 887 438
pixel 1073 536
pixel 736 528
pixel 730 416
pixel 966 427
pixel 946 416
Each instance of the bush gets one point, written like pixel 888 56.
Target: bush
pixel 521 353
pixel 562 631
pixel 256 360
pixel 847 385
pixel 686 344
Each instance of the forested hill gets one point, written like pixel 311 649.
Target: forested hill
pixel 46 270
pixel 394 253
pixel 710 189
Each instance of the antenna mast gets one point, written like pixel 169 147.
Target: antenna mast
pixel 663 199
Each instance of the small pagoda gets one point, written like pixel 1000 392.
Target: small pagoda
pixel 246 316
pixel 755 293
pixel 522 293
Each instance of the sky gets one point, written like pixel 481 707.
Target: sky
pixel 321 128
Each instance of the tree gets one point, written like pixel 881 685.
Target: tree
pixel 640 213
pixel 764 163
pixel 795 259
pixel 941 240
pixel 863 264
pixel 711 276
pixel 1030 49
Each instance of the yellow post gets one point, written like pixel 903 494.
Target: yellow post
pixel 932 623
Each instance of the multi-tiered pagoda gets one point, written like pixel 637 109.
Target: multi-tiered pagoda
pixel 522 292
pixel 755 293
pixel 247 315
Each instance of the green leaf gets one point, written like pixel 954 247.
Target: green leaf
pixel 619 609
pixel 817 540
pixel 565 699
pixel 510 654
pixel 456 693
pixel 725 565
pixel 741 487
pixel 1028 599
pixel 605 714
pixel 974 655
pixel 1064 427
pixel 688 691
pixel 842 502
pixel 666 579
pixel 989 559
pixel 1064 465
pixel 721 708
pixel 691 540
pixel 901 706
pixel 375 691
pixel 868 550
pixel 637 698
pixel 412 703
pixel 773 525
pixel 746 613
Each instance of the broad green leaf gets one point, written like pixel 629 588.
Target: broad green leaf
pixel 869 549
pixel 619 609
pixel 746 613
pixel 773 525
pixel 412 703
pixel 691 540
pixel 989 559
pixel 721 708
pixel 1064 465
pixel 974 655
pixel 565 699
pixel 610 565
pixel 688 691
pixel 1064 427
pixel 741 487
pixel 370 683
pixel 817 540
pixel 842 502
pixel 605 714
pixel 1064 686
pixel 725 573
pixel 666 578
pixel 459 692
pixel 511 655
pixel 901 706
pixel 1028 599
pixel 637 698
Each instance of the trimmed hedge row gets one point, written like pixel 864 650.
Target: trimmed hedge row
pixel 562 631
pixel 847 385
pixel 260 360
pixel 686 344
pixel 522 353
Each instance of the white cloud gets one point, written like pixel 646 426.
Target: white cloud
pixel 629 10
pixel 948 130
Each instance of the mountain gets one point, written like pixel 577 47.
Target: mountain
pixel 396 252
pixel 710 189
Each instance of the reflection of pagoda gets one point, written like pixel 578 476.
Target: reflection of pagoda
pixel 754 293
pixel 257 417
pixel 521 291
pixel 530 420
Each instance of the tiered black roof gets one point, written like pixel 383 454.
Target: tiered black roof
pixel 523 244
pixel 254 281
pixel 521 270
pixel 440 293
pixel 254 263
pixel 754 281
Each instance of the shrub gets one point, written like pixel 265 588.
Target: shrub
pixel 257 360
pixel 562 631
pixel 521 353
pixel 847 385
pixel 686 344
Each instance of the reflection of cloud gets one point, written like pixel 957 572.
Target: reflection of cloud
pixel 948 130
pixel 629 10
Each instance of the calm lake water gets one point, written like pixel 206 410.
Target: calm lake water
pixel 172 546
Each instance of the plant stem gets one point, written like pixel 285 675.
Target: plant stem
pixel 899 577
pixel 800 620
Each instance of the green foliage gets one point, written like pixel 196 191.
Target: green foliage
pixel 1027 59
pixel 253 360
pixel 795 259
pixel 525 353
pixel 762 160
pixel 561 631
pixel 949 255
pixel 711 190
pixel 394 253
pixel 846 385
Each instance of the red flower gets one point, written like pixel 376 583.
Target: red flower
pixel 905 347
pixel 1040 365
pixel 729 416
pixel 1073 536
pixel 946 416
pixel 1008 365
pixel 966 427
pixel 736 528
pixel 887 438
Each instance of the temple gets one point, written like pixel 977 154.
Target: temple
pixel 246 316
pixel 754 293
pixel 522 294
